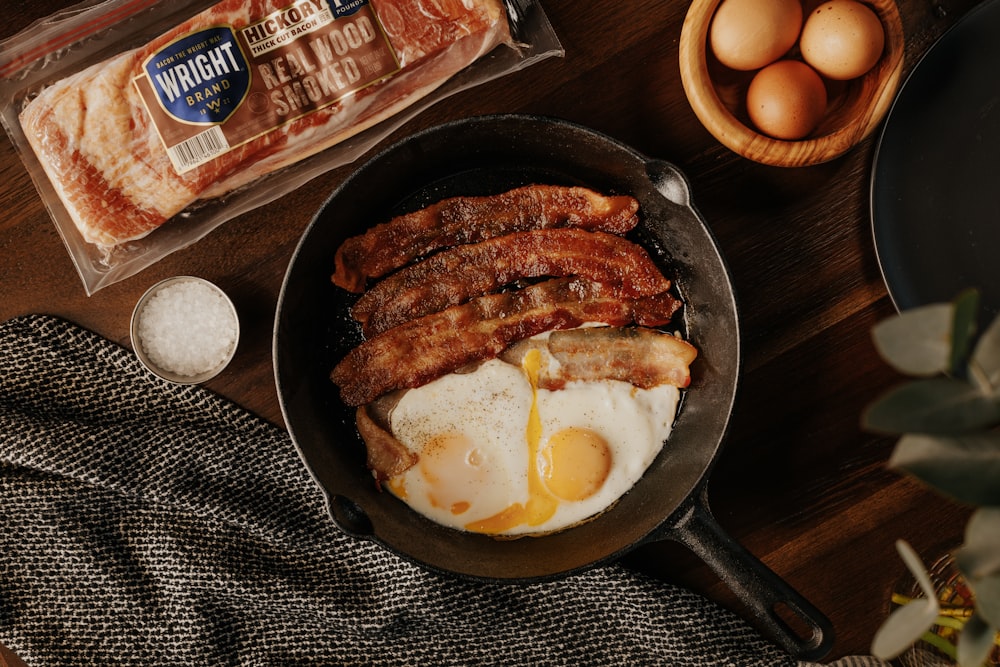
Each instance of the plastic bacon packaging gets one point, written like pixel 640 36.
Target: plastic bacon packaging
pixel 147 124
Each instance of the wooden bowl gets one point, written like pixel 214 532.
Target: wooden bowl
pixel 854 108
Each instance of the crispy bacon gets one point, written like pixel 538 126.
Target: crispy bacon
pixel 643 357
pixel 387 456
pixel 456 275
pixel 414 353
pixel 638 355
pixel 459 220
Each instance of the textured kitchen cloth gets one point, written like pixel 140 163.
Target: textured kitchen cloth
pixel 143 523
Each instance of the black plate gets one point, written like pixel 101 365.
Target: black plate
pixel 935 188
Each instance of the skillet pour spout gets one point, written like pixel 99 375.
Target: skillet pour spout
pixel 487 155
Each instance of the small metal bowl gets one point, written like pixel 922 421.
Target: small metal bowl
pixel 175 375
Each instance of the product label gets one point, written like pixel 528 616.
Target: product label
pixel 203 78
pixel 212 90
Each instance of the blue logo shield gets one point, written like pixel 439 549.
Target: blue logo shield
pixel 201 78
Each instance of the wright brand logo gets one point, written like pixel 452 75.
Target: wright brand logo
pixel 202 77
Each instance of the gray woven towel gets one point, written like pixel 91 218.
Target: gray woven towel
pixel 143 523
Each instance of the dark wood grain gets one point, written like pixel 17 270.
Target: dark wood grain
pixel 798 482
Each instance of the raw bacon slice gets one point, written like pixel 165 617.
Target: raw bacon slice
pixel 414 353
pixel 638 355
pixel 456 275
pixel 458 220
pixel 94 137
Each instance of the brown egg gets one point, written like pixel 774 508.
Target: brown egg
pixel 786 100
pixel 842 39
pixel 749 34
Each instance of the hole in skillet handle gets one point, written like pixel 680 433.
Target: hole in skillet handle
pixel 796 620
pixel 780 612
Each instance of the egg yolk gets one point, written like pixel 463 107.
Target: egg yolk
pixel 575 463
pixel 454 468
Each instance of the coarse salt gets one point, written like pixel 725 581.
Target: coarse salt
pixel 187 328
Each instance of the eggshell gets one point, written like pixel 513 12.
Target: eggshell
pixel 842 39
pixel 786 100
pixel 749 34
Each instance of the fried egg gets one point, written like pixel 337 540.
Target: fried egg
pixel 501 456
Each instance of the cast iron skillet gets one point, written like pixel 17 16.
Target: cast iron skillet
pixel 486 155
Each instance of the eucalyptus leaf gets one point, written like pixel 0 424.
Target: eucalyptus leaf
pixel 975 642
pixel 966 468
pixel 949 421
pixel 918 341
pixel 935 405
pixel 903 628
pixel 907 624
pixel 917 568
pixel 985 361
pixel 987 593
pixel 980 555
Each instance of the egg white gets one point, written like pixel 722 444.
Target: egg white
pixel 634 422
pixel 489 409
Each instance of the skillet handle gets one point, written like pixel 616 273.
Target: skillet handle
pixel 756 585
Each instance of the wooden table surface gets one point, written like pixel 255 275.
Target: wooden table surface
pixel 798 482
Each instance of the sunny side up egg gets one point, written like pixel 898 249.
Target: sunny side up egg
pixel 497 455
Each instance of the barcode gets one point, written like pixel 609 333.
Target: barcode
pixel 199 149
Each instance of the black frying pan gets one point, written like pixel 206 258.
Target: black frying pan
pixel 484 156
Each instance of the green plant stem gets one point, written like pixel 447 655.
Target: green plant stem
pixel 949 622
pixel 941 644
pixel 954 618
pixel 952 612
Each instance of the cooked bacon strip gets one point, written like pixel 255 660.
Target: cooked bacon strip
pixel 456 275
pixel 644 357
pixel 458 220
pixel 387 456
pixel 641 356
pixel 428 347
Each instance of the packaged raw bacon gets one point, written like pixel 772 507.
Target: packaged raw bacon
pixel 146 124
